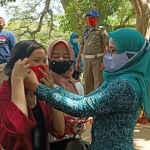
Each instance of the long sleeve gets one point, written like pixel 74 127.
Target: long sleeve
pixel 77 97
pixel 114 98
pixel 12 120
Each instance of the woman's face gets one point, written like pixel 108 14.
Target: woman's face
pixel 60 52
pixel 38 57
pixel 76 37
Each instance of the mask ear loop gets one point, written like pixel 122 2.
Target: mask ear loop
pixel 148 47
pixel 71 61
pixel 136 53
pixel 53 61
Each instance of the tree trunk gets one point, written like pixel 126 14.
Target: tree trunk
pixel 64 4
pixel 142 10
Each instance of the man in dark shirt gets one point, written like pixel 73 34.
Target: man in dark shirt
pixel 7 41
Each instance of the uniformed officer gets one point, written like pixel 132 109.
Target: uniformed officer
pixel 93 41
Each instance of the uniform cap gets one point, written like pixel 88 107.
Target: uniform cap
pixel 92 13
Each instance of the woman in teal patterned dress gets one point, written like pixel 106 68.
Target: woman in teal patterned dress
pixel 115 105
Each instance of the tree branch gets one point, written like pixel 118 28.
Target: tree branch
pixel 124 26
pixel 41 15
pixel 123 23
pixel 51 26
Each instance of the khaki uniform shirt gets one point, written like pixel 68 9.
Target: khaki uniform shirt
pixel 93 40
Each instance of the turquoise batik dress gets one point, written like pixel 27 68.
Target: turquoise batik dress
pixel 114 107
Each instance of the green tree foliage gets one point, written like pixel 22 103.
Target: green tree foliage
pixel 43 36
pixel 4 2
pixel 113 14
pixel 34 20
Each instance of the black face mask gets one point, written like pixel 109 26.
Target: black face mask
pixel 60 67
pixel 1 27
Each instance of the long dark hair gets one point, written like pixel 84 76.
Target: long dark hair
pixel 21 50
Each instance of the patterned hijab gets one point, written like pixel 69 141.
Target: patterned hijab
pixel 64 80
pixel 137 71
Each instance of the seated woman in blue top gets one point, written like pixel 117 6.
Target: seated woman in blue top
pixel 74 41
pixel 115 105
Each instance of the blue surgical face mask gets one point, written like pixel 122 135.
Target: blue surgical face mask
pixel 76 41
pixel 115 62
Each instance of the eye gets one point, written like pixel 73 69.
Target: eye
pixel 45 61
pixel 111 49
pixel 37 60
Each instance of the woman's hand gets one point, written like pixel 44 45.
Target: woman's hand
pixel 30 98
pixel 77 66
pixel 31 81
pixel 102 67
pixel 47 80
pixel 77 126
pixel 20 70
pixel 80 127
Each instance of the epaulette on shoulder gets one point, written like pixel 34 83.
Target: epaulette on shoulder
pixel 86 31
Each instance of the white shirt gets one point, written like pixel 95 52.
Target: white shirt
pixel 80 88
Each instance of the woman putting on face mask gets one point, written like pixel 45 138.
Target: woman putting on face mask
pixel 116 104
pixel 24 120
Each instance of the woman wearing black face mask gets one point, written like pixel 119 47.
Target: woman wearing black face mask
pixel 60 55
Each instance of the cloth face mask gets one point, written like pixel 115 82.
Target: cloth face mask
pixel 76 41
pixel 60 67
pixel 37 71
pixel 92 21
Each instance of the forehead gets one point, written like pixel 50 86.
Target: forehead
pixel 38 53
pixel 90 16
pixel 60 48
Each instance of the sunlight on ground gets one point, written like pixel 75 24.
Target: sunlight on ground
pixel 142 144
pixel 142 138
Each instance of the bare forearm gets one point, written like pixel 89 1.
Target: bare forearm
pixel 58 121
pixel 105 47
pixel 79 54
pixel 18 95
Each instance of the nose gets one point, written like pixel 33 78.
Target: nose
pixel 42 63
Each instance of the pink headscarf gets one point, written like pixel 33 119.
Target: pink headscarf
pixel 64 80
